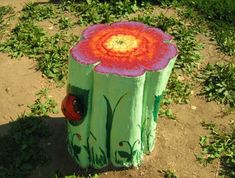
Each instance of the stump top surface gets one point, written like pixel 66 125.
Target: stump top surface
pixel 124 48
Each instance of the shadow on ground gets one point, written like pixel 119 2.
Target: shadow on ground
pixel 59 161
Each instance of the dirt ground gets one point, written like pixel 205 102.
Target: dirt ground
pixel 177 141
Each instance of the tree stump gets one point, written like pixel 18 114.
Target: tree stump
pixel 117 75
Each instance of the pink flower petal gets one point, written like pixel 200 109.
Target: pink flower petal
pixel 92 30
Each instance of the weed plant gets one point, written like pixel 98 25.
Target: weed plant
pixel 65 22
pixel 224 34
pixel 165 111
pixel 214 9
pixel 53 58
pixel 43 105
pixel 169 174
pixel 38 12
pixel 223 10
pixel 220 31
pixel 26 39
pixel 59 175
pixel 95 11
pixel 50 52
pixel 6 12
pixel 219 83
pixel 219 145
pixel 178 90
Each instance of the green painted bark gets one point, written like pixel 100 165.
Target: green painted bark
pixel 120 115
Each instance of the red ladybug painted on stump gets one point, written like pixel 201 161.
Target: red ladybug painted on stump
pixel 71 108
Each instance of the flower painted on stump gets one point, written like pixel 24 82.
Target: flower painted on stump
pixel 124 48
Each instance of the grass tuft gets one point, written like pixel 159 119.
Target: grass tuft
pixel 6 13
pixel 26 39
pixel 43 105
pixel 169 173
pixel 219 83
pixel 50 52
pixel 93 12
pixel 219 145
pixel 178 90
pixel 33 11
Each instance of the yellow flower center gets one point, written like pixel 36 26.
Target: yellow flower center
pixel 122 43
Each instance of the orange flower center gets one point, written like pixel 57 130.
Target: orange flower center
pixel 122 43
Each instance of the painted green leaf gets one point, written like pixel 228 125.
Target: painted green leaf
pixel 157 100
pixel 124 154
pixel 118 102
pixel 103 157
pixel 110 115
pixel 134 153
pixel 108 124
pixel 77 149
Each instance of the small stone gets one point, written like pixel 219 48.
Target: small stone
pixel 7 90
pixel 193 107
pixel 181 78
pixel 51 27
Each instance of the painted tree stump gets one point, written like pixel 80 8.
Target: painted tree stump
pixel 117 75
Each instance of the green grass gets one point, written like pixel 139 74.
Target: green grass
pixel 50 52
pixel 59 175
pixel 38 12
pixel 95 11
pixel 221 31
pixel 214 9
pixel 219 83
pixel 224 34
pixel 169 173
pixel 178 91
pixel 53 59
pixel 223 10
pixel 25 39
pixel 65 22
pixel 43 105
pixel 219 145
pixel 6 12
